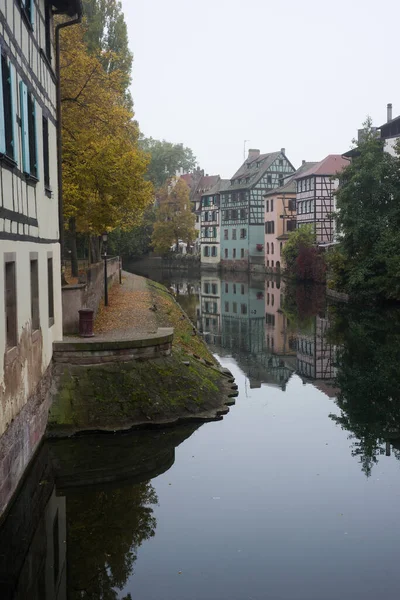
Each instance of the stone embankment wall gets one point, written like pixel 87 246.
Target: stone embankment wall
pixel 88 294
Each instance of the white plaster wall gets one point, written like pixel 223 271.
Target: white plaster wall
pixel 22 250
pixel 27 200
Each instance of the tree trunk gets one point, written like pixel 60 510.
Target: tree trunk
pixel 73 248
pixel 95 253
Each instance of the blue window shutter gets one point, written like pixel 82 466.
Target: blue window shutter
pixel 35 119
pixel 24 127
pixel 13 113
pixel 32 4
pixel 2 122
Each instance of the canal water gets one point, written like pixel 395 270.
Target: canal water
pixel 294 495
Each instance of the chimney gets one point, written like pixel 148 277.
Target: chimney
pixel 389 113
pixel 253 154
pixel 283 150
pixel 303 162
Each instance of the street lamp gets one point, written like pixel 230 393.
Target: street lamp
pixel 105 237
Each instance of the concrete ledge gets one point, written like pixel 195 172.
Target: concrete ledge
pixel 100 350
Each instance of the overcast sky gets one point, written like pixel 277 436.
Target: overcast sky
pixel 281 74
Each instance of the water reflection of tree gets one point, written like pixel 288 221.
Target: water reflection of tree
pixel 368 376
pixel 301 303
pixel 105 529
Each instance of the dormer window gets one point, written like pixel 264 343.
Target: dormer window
pixel 232 181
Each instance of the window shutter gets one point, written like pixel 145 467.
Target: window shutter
pixel 2 119
pixel 24 126
pixel 14 113
pixel 32 6
pixel 35 120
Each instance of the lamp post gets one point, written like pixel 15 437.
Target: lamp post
pixel 105 237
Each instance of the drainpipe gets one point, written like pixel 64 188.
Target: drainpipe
pixel 60 26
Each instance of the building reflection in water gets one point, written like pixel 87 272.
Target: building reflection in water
pixel 249 320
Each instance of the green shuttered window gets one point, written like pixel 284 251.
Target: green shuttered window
pixel 8 124
pixel 30 158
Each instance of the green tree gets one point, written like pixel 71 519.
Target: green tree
pixel 166 159
pixel 175 220
pixel 368 203
pixel 107 37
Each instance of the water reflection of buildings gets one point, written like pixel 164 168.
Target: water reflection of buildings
pixel 316 357
pixel 247 319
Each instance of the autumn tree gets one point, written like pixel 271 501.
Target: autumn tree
pixel 103 167
pixel 175 220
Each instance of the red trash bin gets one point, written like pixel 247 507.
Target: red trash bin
pixel 86 322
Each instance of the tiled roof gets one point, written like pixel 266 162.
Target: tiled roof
pixel 220 186
pixel 289 187
pixel 332 164
pixel 252 170
pixel 204 185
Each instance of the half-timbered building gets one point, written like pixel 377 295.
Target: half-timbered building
pixel 30 287
pixel 210 231
pixel 315 197
pixel 242 209
pixel 280 219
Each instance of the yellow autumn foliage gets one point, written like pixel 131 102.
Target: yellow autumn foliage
pixel 103 167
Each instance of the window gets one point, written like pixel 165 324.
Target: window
pixel 226 288
pixel 270 319
pixel 242 253
pixel 226 306
pixel 35 323
pixel 206 251
pixel 243 309
pixel 243 213
pixel 272 263
pixel 10 304
pixel 280 162
pixel 8 123
pixel 270 227
pixel 28 10
pixel 47 29
pixel 292 205
pixel 234 253
pixel 242 289
pixel 234 288
pixel 243 234
pixel 46 163
pixel 213 251
pixel 234 213
pixel 272 248
pixel 267 206
pixel 206 288
pixel 225 234
pixel 50 290
pixel 272 204
pixel 214 289
pixel 234 307
pixel 29 132
pixel 269 179
pixel 267 248
pixel 226 252
pixel 234 234
pixel 281 246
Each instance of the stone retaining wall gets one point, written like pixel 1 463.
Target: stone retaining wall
pixel 110 351
pixel 87 295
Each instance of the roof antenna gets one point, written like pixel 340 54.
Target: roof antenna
pixel 244 149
